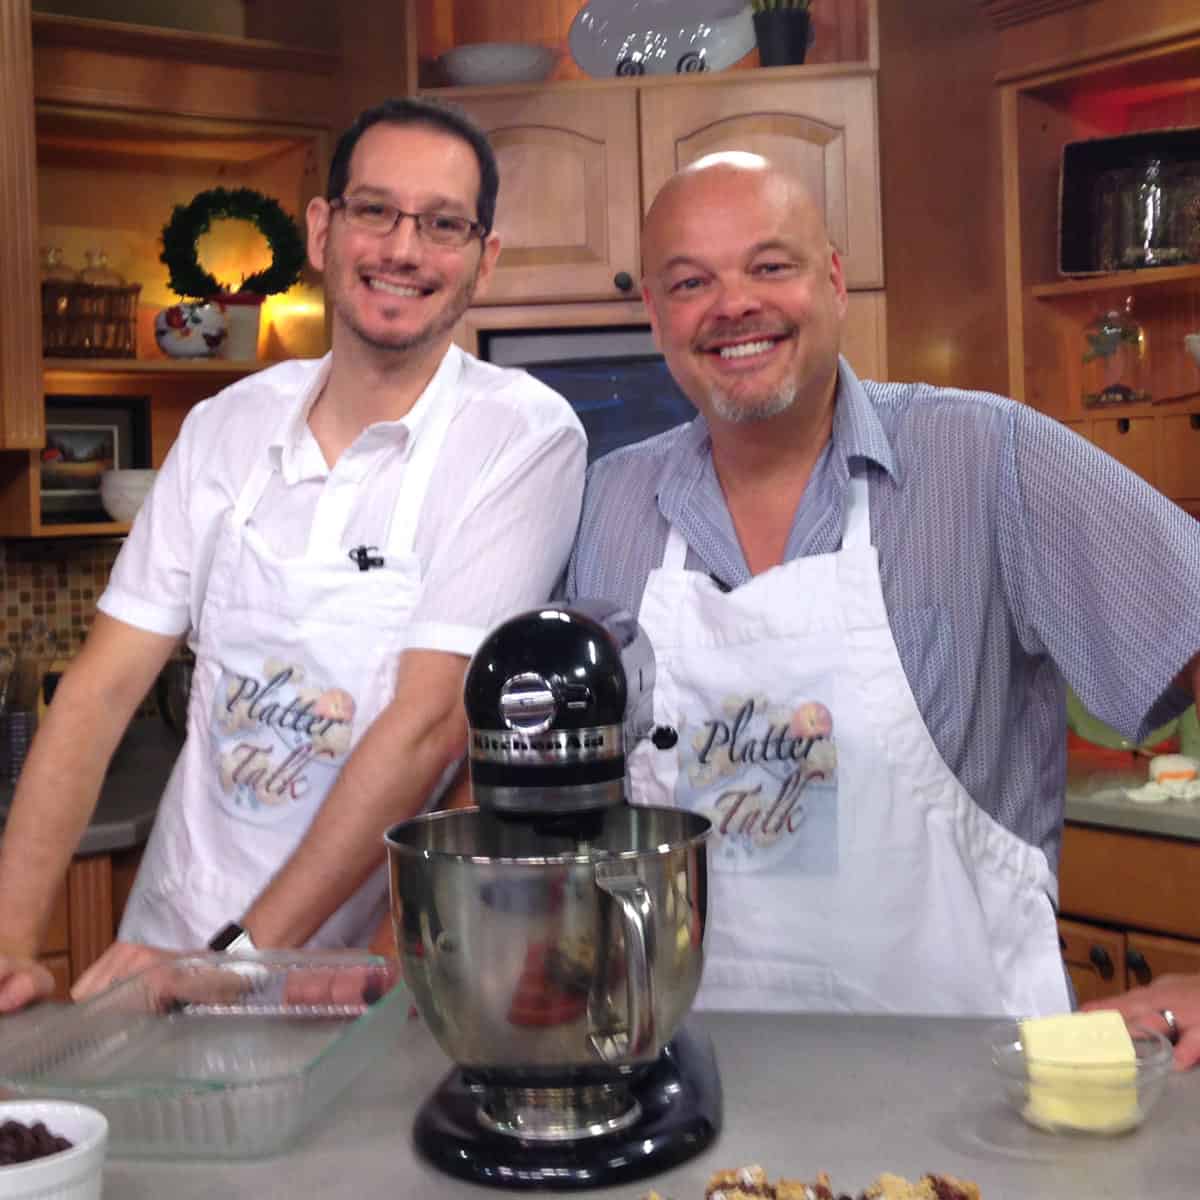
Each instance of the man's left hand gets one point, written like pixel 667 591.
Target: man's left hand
pixel 118 962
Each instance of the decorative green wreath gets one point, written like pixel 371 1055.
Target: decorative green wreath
pixel 189 221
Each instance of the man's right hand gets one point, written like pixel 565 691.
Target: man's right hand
pixel 23 981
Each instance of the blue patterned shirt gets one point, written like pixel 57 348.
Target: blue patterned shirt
pixel 1013 553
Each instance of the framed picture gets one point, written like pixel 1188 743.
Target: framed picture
pixel 84 438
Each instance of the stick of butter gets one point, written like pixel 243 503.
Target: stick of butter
pixel 1082 1072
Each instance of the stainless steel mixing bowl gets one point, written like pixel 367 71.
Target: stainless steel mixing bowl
pixel 544 950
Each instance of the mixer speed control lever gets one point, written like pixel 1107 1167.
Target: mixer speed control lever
pixel 528 703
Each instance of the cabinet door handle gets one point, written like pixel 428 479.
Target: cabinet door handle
pixel 1135 960
pixel 623 281
pixel 1102 961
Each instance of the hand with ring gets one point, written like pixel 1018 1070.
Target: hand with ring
pixel 1170 1005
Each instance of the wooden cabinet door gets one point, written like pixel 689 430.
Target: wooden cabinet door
pixel 864 335
pixel 1131 879
pixel 1148 957
pixel 825 129
pixel 1179 455
pixel 1095 959
pixel 22 421
pixel 568 214
pixel 1130 440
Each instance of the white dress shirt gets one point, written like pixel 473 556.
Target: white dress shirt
pixel 492 537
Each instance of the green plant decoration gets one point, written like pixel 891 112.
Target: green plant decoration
pixel 1108 337
pixel 190 221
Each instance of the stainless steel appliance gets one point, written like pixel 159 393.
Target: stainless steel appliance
pixel 553 936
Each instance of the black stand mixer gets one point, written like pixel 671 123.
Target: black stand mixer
pixel 553 936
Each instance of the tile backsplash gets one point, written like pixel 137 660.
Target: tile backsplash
pixel 52 586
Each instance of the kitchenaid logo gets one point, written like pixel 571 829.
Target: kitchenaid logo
pixel 757 766
pixel 560 745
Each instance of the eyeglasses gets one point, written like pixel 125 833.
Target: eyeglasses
pixel 379 218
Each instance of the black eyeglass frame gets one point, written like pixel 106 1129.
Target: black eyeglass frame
pixel 475 228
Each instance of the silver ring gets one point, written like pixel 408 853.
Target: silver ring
pixel 1172 1025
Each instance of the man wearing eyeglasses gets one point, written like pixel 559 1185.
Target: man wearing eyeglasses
pixel 333 538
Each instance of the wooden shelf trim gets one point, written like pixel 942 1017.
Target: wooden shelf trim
pixel 646 82
pixel 1088 67
pixel 153 42
pixel 1119 281
pixel 173 367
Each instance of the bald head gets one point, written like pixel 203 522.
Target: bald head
pixel 718 182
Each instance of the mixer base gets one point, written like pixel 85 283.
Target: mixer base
pixel 680 1099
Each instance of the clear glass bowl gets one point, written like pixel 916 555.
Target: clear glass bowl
pixel 1068 1098
pixel 216 1055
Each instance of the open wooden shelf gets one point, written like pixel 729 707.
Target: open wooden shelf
pixel 1166 278
pixel 152 366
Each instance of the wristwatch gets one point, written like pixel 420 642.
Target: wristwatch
pixel 231 938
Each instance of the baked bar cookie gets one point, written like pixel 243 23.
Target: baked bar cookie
pixel 928 1187
pixel 742 1183
pixel 795 1189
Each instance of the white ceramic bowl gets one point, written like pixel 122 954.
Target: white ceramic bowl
pixel 122 492
pixel 486 63
pixel 73 1174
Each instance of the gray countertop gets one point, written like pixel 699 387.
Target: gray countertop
pixel 851 1095
pixel 1096 796
pixel 129 798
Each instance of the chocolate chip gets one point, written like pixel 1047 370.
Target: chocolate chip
pixel 21 1143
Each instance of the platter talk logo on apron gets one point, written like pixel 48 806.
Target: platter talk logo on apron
pixel 279 738
pixel 764 774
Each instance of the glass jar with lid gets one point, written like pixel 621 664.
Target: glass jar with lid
pixel 53 267
pixel 1115 358
pixel 98 272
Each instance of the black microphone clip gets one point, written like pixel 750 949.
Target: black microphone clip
pixel 364 558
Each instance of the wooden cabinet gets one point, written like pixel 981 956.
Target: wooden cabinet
pixel 824 129
pixel 1105 962
pixel 86 913
pixel 580 165
pixel 1112 85
pixel 1131 908
pixel 107 129
pixel 568 209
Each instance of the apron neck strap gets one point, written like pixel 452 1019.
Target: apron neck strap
pixel 856 532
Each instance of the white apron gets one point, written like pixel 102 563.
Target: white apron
pixel 295 658
pixel 849 869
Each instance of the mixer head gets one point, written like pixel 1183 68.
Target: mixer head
pixel 556 698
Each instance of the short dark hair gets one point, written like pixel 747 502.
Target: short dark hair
pixel 433 114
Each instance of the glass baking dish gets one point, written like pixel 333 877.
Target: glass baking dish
pixel 217 1055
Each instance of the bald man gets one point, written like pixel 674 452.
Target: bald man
pixel 863 599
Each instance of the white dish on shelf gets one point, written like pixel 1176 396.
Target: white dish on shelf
pixel 122 492
pixel 484 64
pixel 659 37
pixel 1191 343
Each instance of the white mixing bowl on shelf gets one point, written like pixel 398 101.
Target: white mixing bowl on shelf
pixel 122 492
pixel 489 63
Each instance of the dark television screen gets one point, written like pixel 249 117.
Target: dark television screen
pixel 619 400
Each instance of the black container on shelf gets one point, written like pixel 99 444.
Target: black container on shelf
pixel 782 35
pixel 1130 202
